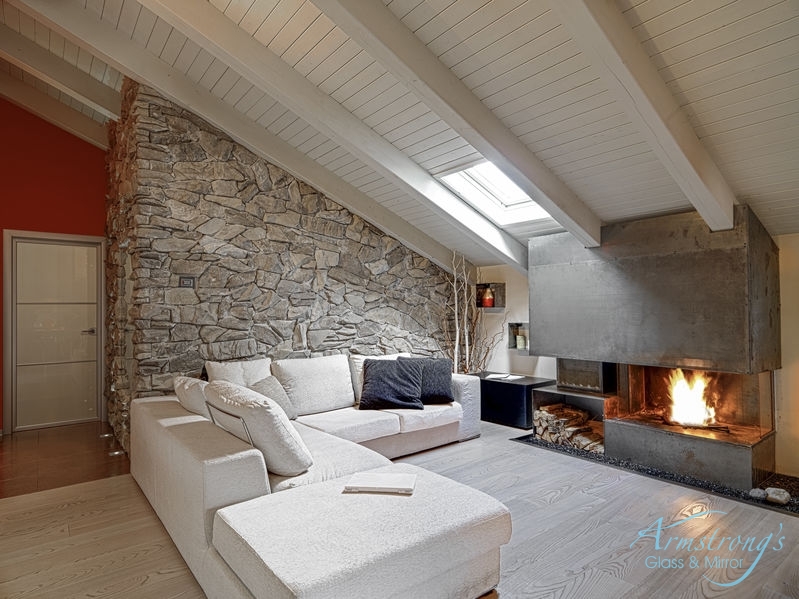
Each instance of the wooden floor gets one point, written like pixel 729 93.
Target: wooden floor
pixel 575 533
pixel 48 458
pixel 96 539
pixel 576 525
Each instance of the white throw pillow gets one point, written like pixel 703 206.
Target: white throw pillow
pixel 270 429
pixel 270 387
pixel 316 384
pixel 356 369
pixel 191 394
pixel 241 372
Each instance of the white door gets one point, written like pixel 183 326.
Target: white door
pixel 55 337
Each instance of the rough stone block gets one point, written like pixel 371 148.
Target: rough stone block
pixel 180 297
pixel 776 495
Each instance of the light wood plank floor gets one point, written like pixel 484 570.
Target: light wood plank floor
pixel 575 526
pixel 94 539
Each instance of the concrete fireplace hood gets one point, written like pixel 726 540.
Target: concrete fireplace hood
pixel 663 291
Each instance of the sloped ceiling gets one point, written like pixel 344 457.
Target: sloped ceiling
pixel 602 110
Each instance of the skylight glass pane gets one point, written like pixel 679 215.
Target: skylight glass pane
pixel 497 184
pixel 490 192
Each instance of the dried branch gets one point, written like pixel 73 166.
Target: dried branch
pixel 466 342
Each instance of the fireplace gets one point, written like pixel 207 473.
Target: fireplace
pixel 660 299
pixel 716 426
pixel 743 403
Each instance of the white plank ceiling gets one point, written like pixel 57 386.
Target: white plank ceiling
pixel 602 110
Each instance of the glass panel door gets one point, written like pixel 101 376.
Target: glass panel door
pixel 56 333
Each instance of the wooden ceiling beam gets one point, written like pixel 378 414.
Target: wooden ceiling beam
pixel 375 28
pixel 85 29
pixel 54 112
pixel 602 33
pixel 42 64
pixel 209 28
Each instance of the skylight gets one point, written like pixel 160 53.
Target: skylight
pixel 494 195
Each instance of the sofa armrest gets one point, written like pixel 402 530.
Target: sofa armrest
pixel 188 468
pixel 466 390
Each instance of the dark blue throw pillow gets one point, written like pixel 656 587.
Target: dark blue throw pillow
pixel 391 384
pixel 436 379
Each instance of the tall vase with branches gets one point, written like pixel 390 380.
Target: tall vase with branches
pixel 466 341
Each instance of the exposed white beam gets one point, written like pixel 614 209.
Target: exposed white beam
pixel 53 111
pixel 31 57
pixel 209 28
pixel 375 28
pixel 83 28
pixel 602 33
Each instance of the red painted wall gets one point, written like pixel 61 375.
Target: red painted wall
pixel 50 181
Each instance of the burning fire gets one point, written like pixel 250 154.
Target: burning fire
pixel 688 405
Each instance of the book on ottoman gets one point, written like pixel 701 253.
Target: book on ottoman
pixel 401 483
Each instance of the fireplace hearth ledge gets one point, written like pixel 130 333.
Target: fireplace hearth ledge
pixel 737 465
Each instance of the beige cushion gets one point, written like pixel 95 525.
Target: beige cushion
pixel 241 372
pixel 332 458
pixel 432 415
pixel 270 387
pixel 353 424
pixel 191 394
pixel 356 369
pixel 316 384
pixel 267 423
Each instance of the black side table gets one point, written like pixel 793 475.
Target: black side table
pixel 509 401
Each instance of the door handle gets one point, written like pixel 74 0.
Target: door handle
pixel 91 331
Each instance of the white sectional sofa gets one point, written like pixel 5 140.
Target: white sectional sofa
pixel 246 531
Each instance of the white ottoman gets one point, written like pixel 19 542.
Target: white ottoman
pixel 318 542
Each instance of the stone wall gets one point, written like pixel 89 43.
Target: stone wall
pixel 279 269
pixel 120 231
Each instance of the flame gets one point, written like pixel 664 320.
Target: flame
pixel 688 405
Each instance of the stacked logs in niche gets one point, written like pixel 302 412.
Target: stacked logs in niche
pixel 566 425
